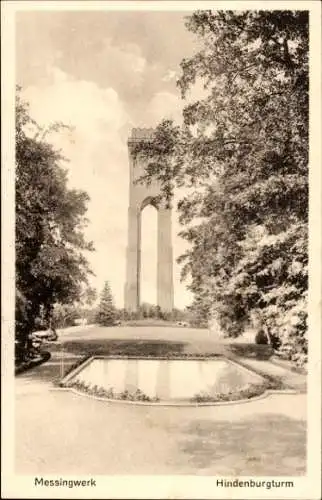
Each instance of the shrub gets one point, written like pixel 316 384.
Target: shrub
pixel 247 392
pixel 287 329
pixel 261 337
pixel 126 395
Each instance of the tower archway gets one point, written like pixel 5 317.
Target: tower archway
pixel 140 196
pixel 148 269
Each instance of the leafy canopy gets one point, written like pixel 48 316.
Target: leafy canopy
pixel 243 149
pixel 50 220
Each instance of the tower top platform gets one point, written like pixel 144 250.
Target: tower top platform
pixel 141 134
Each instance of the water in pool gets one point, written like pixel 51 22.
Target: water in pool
pixel 166 380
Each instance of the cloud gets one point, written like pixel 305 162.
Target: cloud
pixel 104 73
pixel 163 105
pixel 122 62
pixel 124 50
pixel 75 101
pixel 97 160
pixel 168 105
pixel 98 163
pixel 169 76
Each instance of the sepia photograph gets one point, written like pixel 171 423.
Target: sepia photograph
pixel 164 276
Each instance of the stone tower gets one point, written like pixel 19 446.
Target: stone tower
pixel 140 196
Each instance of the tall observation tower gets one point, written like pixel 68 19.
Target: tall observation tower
pixel 139 197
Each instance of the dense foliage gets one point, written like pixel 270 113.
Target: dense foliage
pixel 151 311
pixel 106 313
pixel 66 315
pixel 243 153
pixel 50 218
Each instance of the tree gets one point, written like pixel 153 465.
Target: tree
pixel 64 315
pixel 244 151
pixel 106 311
pixel 89 296
pixel 86 302
pixel 50 218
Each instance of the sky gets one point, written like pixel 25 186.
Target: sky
pixel 104 73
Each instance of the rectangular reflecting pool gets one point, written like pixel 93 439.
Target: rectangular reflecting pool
pixel 164 379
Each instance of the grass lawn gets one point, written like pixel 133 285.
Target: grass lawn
pixel 169 342
pixel 178 342
pixel 170 349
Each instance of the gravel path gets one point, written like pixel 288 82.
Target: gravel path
pixel 58 432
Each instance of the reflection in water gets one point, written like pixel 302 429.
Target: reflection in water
pixel 167 379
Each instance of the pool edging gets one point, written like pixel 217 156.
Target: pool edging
pixel 77 369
